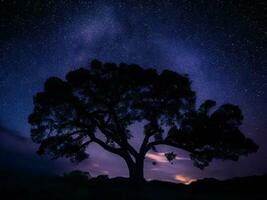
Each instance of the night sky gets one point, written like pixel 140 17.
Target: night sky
pixel 221 44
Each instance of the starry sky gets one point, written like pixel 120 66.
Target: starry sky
pixel 222 45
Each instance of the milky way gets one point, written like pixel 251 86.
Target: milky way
pixel 220 44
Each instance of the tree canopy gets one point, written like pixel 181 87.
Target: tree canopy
pixel 98 104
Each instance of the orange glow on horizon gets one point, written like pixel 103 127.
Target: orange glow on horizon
pixel 184 179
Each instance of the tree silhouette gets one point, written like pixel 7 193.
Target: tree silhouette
pixel 99 103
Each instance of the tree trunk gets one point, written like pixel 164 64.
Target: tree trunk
pixel 136 170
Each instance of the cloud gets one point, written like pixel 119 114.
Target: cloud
pixel 18 153
pixel 160 157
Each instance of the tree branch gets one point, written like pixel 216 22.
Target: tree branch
pixel 117 151
pixel 86 143
pixel 161 142
pixel 123 135
pixel 169 143
pixel 109 134
pixel 144 144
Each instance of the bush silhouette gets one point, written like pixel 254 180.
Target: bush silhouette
pixel 77 176
pixel 98 104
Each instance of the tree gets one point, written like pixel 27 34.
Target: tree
pixel 98 104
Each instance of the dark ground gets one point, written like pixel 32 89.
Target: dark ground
pixel 78 186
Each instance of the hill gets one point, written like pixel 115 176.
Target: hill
pixel 79 186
